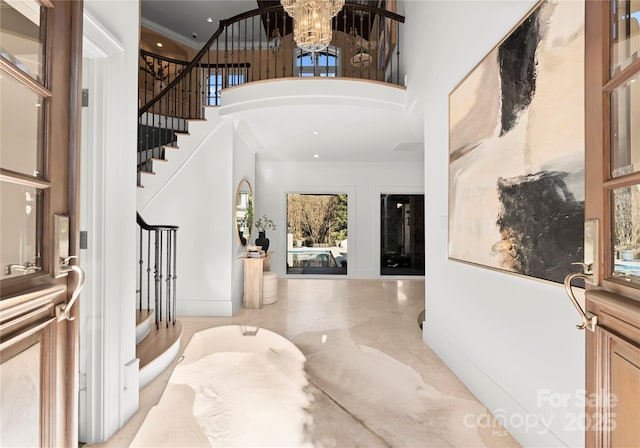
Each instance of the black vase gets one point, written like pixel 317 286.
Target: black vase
pixel 262 241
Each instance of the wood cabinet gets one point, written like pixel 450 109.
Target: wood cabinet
pixel 613 372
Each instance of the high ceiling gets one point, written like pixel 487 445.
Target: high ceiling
pixel 339 127
pixel 184 19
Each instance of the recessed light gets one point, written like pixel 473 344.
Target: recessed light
pixel 159 44
pixel 315 156
pixel 210 19
pixel 315 132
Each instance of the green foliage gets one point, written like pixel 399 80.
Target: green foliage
pixel 265 223
pixel 317 219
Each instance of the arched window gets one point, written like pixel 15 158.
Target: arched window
pixel 327 62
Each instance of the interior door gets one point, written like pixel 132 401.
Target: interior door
pixel 39 81
pixel 612 210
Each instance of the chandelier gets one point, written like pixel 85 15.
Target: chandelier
pixel 312 21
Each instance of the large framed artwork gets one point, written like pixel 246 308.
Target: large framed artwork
pixel 516 149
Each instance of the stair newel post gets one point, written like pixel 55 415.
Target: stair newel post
pixel 175 276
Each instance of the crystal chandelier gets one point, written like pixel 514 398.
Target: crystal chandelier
pixel 312 21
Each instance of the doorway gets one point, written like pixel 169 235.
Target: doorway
pixel 402 234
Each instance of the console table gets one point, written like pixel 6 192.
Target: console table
pixel 253 282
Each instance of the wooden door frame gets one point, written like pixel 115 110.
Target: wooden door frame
pixel 28 305
pixel 613 302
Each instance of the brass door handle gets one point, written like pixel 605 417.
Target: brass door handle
pixel 589 320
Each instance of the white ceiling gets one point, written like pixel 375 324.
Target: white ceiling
pixel 355 121
pixel 182 18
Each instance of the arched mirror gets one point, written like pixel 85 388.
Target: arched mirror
pixel 244 211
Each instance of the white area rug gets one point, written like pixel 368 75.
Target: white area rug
pixel 232 389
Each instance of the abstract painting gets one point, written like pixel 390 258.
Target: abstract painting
pixel 516 149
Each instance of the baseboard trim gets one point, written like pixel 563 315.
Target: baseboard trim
pixel 204 307
pixel 491 394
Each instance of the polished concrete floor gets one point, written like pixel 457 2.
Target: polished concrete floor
pixel 373 381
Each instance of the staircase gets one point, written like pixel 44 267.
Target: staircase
pixel 157 330
pixel 155 347
pixel 179 110
pixel 157 133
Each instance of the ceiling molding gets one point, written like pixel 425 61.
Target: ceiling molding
pixel 153 26
pixel 97 40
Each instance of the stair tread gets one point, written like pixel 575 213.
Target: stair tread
pixel 142 315
pixel 157 342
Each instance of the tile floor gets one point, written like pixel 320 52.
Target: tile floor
pixel 373 380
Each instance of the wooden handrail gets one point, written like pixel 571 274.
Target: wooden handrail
pixel 223 24
pixel 142 223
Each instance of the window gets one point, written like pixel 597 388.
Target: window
pixel 222 79
pixel 317 234
pixel 321 63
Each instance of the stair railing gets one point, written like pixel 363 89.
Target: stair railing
pixel 254 46
pixel 258 45
pixel 164 239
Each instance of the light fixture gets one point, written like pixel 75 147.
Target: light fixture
pixel 315 156
pixel 159 44
pixel 312 21
pixel 210 19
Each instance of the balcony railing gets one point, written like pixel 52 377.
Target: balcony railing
pixel 254 46
pixel 258 45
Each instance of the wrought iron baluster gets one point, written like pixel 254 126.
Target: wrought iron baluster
pixel 156 277
pixel 397 26
pixel 140 263
pixel 168 277
pixel 175 275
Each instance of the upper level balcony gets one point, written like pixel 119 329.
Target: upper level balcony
pixel 258 45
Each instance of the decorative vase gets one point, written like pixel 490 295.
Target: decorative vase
pixel 262 241
pixel 627 254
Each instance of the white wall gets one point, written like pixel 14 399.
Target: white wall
pixel 363 182
pixel 511 340
pixel 108 365
pixel 244 167
pixel 199 198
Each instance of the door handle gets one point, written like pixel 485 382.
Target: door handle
pixel 63 310
pixel 589 320
pixel 27 268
